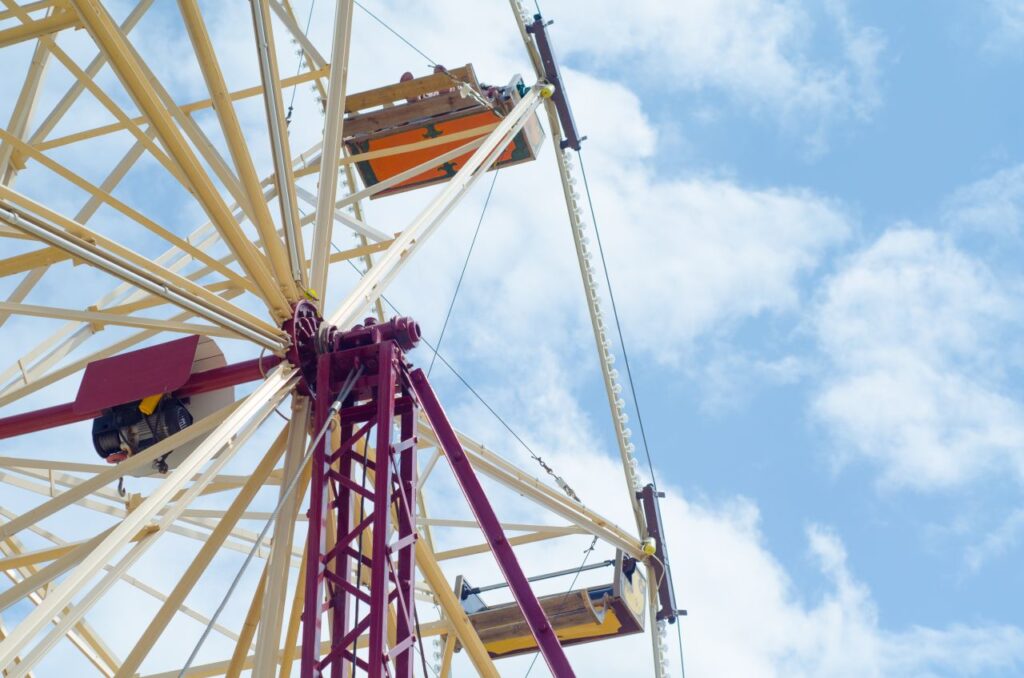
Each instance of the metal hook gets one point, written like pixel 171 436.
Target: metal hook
pixel 120 486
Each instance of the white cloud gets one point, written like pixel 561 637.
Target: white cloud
pixel 913 326
pixel 747 616
pixel 690 257
pixel 994 205
pixel 997 542
pixel 759 51
pixel 1009 17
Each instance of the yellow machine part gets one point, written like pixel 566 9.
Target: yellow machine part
pixel 608 627
pixel 148 405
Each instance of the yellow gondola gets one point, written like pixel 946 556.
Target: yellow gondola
pixel 578 616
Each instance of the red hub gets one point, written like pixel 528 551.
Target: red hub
pixel 311 337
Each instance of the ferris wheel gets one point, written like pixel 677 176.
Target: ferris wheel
pixel 314 531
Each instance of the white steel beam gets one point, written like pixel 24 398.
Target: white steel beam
pixel 24 107
pixel 373 283
pixel 130 267
pixel 254 408
pixel 237 145
pixel 101 318
pixel 283 176
pixel 125 64
pixel 334 120
pixel 272 611
pixel 360 227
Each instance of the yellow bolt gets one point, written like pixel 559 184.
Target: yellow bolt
pixel 547 91
pixel 649 546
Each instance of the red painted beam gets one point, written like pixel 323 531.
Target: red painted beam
pixel 201 382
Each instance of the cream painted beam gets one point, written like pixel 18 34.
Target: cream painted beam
pixel 131 213
pixel 428 630
pixel 52 465
pixel 32 382
pixel 106 255
pixel 447 655
pixel 273 607
pixel 241 544
pixel 58 21
pixel 201 561
pixel 28 7
pixel 514 541
pixel 237 146
pixel 493 466
pixel 122 60
pixel 21 263
pixel 24 108
pixel 254 408
pixel 284 179
pixel 102 97
pixel 65 480
pixel 133 581
pixel 82 636
pixel 406 148
pixel 111 475
pixel 454 614
pixel 512 527
pixel 334 120
pixel 191 107
pixel 373 283
pixel 77 87
pixel 360 227
pixel 88 210
pixel 102 318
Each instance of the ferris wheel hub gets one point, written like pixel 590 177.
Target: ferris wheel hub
pixel 311 337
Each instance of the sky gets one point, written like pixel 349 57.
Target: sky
pixel 812 217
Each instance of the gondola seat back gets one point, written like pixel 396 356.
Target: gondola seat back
pixel 393 129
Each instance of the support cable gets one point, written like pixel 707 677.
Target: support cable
pixel 465 87
pixel 629 372
pixel 346 388
pixel 565 487
pixel 465 264
pixel 302 58
pixel 618 325
pixel 430 62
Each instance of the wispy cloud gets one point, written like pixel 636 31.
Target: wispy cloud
pixel 997 542
pixel 1009 32
pixel 914 328
pixel 760 52
pixel 993 205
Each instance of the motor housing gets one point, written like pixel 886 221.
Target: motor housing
pixel 126 430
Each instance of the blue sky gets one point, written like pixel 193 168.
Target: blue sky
pixel 935 114
pixel 813 214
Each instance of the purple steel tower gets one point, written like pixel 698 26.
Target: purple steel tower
pixel 365 495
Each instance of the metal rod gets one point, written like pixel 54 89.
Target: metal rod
pixel 541 577
pixel 201 382
pixel 533 613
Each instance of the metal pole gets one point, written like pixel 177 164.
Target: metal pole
pixel 533 613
